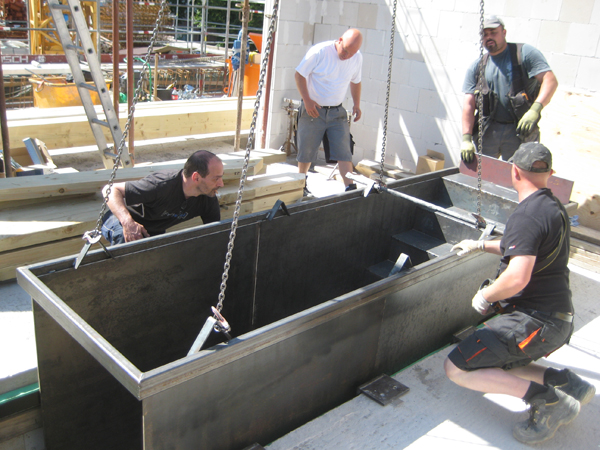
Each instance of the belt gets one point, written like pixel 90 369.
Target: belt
pixel 504 123
pixel 565 317
pixel 331 107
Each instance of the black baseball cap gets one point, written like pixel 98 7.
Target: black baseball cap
pixel 528 154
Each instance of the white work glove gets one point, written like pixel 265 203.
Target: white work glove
pixel 468 246
pixel 480 304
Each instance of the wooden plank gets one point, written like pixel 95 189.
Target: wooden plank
pixel 269 156
pixel 29 225
pixel 155 123
pixel 61 185
pixel 18 424
pixel 586 234
pixel 30 255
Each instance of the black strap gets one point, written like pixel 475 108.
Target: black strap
pixel 541 265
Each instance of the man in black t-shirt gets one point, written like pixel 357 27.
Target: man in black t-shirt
pixel 149 206
pixel 537 313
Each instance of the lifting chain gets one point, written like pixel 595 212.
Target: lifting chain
pixel 387 96
pixel 480 109
pixel 96 232
pixel 238 203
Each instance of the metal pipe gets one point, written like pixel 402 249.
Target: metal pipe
pixel 5 138
pixel 267 88
pixel 115 56
pixel 431 206
pixel 130 76
pixel 245 15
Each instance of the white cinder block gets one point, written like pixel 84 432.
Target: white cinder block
pixel 348 14
pixel 429 103
pixel 322 33
pixel 406 98
pixel 524 30
pixel 401 70
pixel 595 17
pixel 547 9
pixel 412 48
pixel 330 12
pixel 582 40
pixel 376 42
pixel 451 25
pixel 288 10
pixel 517 8
pixel 293 32
pixel 576 11
pixel 553 36
pixel 367 16
pixel 587 75
pixel 420 76
pixel 565 68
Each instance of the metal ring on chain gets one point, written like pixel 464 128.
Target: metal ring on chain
pixel 136 98
pixel 387 96
pixel 238 203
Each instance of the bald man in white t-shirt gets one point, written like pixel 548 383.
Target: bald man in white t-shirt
pixel 323 77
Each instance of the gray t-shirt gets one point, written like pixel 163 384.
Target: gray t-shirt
pixel 498 73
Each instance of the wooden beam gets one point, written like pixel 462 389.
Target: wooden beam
pixel 64 131
pixel 62 185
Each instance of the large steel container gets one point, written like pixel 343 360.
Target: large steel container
pixel 313 315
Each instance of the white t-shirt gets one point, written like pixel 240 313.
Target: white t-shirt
pixel 327 76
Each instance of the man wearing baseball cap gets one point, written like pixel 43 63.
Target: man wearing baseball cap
pixel 533 299
pixel 516 85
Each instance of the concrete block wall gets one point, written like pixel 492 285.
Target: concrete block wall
pixel 434 42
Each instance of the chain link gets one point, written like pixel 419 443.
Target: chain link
pixel 238 203
pixel 480 108
pixel 138 89
pixel 387 96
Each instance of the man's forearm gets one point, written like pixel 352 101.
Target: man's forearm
pixel 548 87
pixel 302 86
pixel 355 91
pixel 468 114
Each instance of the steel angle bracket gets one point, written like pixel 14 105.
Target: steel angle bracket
pixel 383 389
pixel 90 240
pixel 278 204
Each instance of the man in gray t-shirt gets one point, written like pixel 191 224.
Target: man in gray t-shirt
pixel 505 126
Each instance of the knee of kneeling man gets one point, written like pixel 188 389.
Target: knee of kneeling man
pixel 451 370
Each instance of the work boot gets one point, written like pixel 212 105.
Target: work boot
pixel 545 418
pixel 578 388
pixel 351 187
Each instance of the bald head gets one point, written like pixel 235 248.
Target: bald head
pixel 349 43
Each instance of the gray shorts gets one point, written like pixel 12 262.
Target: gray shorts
pixel 511 340
pixel 334 122
pixel 500 139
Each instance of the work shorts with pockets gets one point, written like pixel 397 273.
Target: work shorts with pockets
pixel 511 340
pixel 334 122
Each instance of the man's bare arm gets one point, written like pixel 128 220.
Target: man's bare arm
pixel 132 231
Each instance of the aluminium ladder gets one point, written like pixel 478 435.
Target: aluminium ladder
pixel 72 51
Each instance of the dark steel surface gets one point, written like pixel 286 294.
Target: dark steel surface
pixel 384 389
pixel 498 172
pixel 310 322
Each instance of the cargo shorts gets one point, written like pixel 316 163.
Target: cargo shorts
pixel 334 122
pixel 511 340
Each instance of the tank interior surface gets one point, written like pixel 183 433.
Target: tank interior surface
pixel 313 310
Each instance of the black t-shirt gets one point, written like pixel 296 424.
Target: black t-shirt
pixel 535 229
pixel 157 202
